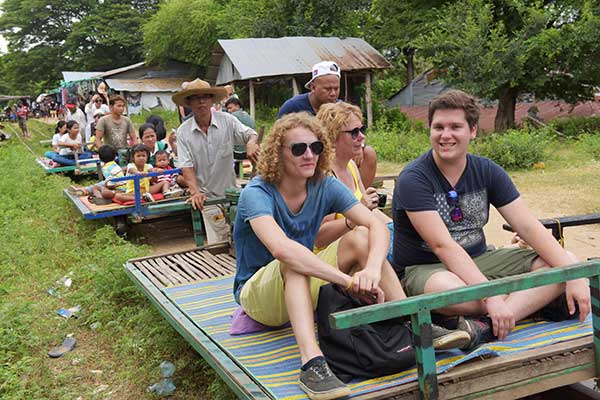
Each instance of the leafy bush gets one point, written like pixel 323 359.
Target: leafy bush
pixel 513 149
pixel 575 126
pixel 396 138
pixel 590 144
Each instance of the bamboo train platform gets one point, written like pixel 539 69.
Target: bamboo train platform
pixel 193 291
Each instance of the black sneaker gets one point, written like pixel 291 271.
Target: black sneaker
pixel 557 310
pixel 446 339
pixel 479 330
pixel 319 383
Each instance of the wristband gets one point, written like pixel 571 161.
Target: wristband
pixel 347 224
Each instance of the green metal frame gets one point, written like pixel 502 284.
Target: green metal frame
pixel 235 377
pixel 419 308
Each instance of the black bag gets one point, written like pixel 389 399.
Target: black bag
pixel 367 351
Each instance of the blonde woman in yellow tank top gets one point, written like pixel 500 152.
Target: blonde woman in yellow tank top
pixel 343 123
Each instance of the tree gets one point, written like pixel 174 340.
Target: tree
pixel 47 37
pixel 201 22
pixel 501 49
pixel 395 26
pixel 110 36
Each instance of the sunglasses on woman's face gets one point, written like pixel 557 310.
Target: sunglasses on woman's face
pixel 357 131
pixel 298 149
pixel 456 215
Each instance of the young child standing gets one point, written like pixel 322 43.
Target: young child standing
pixel 140 166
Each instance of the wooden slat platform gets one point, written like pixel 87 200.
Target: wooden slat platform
pixel 497 378
pixel 186 266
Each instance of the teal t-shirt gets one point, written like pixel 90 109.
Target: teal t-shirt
pixel 259 198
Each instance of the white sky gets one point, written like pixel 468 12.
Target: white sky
pixel 2 41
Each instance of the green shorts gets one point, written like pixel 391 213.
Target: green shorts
pixel 493 264
pixel 262 296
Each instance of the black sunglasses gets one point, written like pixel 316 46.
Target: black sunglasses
pixel 456 215
pixel 357 131
pixel 299 149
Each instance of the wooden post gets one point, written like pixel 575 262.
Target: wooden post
pixel 295 86
pixel 251 93
pixel 368 100
pixel 122 93
pixel 346 90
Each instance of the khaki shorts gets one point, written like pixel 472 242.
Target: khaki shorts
pixel 262 296
pixel 493 264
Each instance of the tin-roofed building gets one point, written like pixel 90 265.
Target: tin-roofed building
pixel 254 60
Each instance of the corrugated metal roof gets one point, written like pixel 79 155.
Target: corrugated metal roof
pixel 267 57
pixel 145 85
pixel 122 69
pixel 73 76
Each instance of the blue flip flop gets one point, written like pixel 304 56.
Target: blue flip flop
pixel 68 345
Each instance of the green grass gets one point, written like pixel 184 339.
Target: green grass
pixel 43 238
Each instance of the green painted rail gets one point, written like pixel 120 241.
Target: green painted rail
pixel 419 308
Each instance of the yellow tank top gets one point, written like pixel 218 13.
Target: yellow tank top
pixel 357 193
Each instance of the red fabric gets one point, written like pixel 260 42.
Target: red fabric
pixel 157 196
pixel 22 111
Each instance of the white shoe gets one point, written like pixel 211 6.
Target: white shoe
pixel 169 194
pixel 148 197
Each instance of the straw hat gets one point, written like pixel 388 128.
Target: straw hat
pixel 102 88
pixel 198 86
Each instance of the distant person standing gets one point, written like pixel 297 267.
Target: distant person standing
pixel 96 103
pixel 114 127
pixel 22 113
pixel 74 113
pixel 325 88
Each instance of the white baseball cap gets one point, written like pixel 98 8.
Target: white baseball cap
pixel 323 68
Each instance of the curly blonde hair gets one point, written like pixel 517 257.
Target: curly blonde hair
pixel 335 115
pixel 270 164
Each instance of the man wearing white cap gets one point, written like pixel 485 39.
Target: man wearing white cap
pixel 325 88
pixel 205 143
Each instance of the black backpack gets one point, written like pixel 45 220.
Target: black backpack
pixel 367 351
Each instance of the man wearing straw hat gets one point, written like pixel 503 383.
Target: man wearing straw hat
pixel 205 142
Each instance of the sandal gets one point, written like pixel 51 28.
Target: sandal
pixel 68 345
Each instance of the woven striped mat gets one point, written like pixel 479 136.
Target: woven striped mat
pixel 272 357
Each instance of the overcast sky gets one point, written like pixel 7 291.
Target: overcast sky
pixel 2 41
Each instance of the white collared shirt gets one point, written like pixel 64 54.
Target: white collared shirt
pixel 211 153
